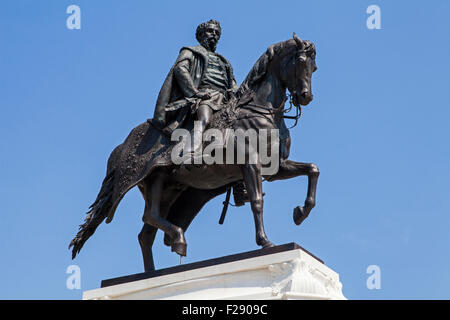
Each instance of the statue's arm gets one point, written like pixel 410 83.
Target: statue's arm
pixel 181 72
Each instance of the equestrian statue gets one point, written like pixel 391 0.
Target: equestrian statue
pixel 166 158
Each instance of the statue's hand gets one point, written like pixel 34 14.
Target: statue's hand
pixel 202 95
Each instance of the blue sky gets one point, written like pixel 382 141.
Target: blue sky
pixel 377 128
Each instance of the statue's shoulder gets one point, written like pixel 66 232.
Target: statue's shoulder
pixel 194 49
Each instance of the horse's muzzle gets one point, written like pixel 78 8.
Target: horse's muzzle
pixel 304 98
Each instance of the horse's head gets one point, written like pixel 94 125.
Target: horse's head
pixel 296 68
pixel 292 62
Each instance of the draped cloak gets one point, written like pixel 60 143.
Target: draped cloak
pixel 178 90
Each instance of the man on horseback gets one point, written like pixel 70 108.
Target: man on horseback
pixel 200 83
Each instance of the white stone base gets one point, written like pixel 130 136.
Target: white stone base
pixel 293 274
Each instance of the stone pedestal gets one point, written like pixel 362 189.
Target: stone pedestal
pixel 283 272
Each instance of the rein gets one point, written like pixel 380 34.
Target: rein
pixel 274 111
pixel 298 112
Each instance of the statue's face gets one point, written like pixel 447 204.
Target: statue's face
pixel 211 35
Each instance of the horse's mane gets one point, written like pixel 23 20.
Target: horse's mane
pixel 228 115
pixel 259 69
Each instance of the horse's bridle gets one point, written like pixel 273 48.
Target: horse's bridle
pixel 275 111
pixel 298 112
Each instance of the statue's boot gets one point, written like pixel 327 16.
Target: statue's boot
pixel 193 152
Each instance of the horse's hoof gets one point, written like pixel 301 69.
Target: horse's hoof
pixel 299 215
pixel 180 248
pixel 167 240
pixel 268 245
pixel 263 242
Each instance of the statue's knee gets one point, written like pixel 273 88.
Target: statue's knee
pixel 145 236
pixel 141 237
pixel 314 170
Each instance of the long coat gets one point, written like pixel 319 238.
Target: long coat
pixel 177 92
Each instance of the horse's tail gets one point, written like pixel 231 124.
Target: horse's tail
pixel 98 211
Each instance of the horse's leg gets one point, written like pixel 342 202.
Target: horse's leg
pixel 156 211
pixel 253 183
pixel 188 205
pixel 291 169
pixel 146 238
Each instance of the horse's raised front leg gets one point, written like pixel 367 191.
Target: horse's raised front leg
pixel 156 211
pixel 291 169
pixel 253 183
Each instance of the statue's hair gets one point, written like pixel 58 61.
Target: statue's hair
pixel 201 27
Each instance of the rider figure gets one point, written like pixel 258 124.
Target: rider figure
pixel 201 81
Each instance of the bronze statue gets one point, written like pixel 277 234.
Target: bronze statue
pixel 175 193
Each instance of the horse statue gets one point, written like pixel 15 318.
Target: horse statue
pixel 175 193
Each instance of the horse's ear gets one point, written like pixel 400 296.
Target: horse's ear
pixel 270 52
pixel 298 41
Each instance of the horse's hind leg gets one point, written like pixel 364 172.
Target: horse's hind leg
pixel 146 238
pixel 188 205
pixel 156 211
pixel 253 183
